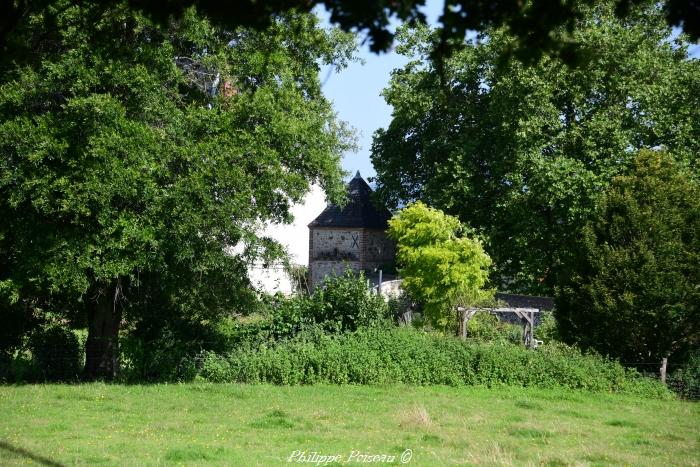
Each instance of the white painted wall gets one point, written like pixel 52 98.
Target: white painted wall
pixel 295 238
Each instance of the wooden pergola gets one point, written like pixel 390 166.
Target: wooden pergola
pixel 526 315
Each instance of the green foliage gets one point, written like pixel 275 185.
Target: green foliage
pixel 440 266
pixel 404 355
pixel 631 291
pixel 166 357
pixel 155 346
pixel 344 303
pixel 56 354
pixel 534 23
pixel 134 156
pixel 521 152
pixel 547 331
pixel 686 380
pixel 483 325
pixel 163 351
pixel 17 323
pixel 401 305
pixel 299 276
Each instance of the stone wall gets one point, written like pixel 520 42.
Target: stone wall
pixel 335 244
pixel 331 251
pixel 321 269
pixel 378 247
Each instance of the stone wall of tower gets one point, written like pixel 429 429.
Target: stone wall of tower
pixel 336 244
pixel 378 247
pixel 319 270
pixel 332 251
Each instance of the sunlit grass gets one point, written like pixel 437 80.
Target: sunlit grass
pixel 247 425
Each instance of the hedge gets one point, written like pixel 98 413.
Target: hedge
pixel 405 355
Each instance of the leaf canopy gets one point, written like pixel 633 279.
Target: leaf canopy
pixel 143 153
pixel 521 152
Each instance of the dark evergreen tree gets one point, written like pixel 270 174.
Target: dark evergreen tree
pixel 632 289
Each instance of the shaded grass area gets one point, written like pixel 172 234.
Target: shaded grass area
pixel 228 424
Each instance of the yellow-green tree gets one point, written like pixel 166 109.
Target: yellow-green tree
pixel 441 266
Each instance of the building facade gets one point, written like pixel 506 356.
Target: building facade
pixel 350 237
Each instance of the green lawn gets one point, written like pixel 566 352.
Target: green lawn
pixel 248 425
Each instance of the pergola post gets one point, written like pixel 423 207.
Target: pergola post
pixel 465 314
pixel 527 316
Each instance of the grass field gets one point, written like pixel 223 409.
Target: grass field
pixel 263 425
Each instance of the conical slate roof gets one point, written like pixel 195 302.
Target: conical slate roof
pixel 359 212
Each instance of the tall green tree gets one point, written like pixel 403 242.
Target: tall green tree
pixel 632 291
pixel 441 266
pixel 520 152
pixel 134 155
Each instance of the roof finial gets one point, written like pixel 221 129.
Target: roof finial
pixel 357 175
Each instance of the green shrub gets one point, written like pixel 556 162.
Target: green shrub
pixel 483 325
pixel 56 353
pixel 156 360
pixel 512 333
pixel 404 355
pixel 290 316
pixel 164 354
pixel 402 307
pixel 18 368
pixel 237 332
pixel 344 303
pixel 686 380
pixel 547 329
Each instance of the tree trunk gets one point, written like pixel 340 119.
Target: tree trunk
pixel 662 370
pixel 102 346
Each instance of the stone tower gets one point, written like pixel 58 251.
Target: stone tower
pixel 353 237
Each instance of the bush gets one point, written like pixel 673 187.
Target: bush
pixel 484 325
pixel 247 332
pixel 290 316
pixel 403 310
pixel 157 360
pixel 162 353
pixel 547 330
pixel 686 380
pixel 630 288
pixel 404 355
pixel 344 303
pixel 56 354
pixel 17 368
pixel 163 350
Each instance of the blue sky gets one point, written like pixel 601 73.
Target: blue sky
pixel 355 93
